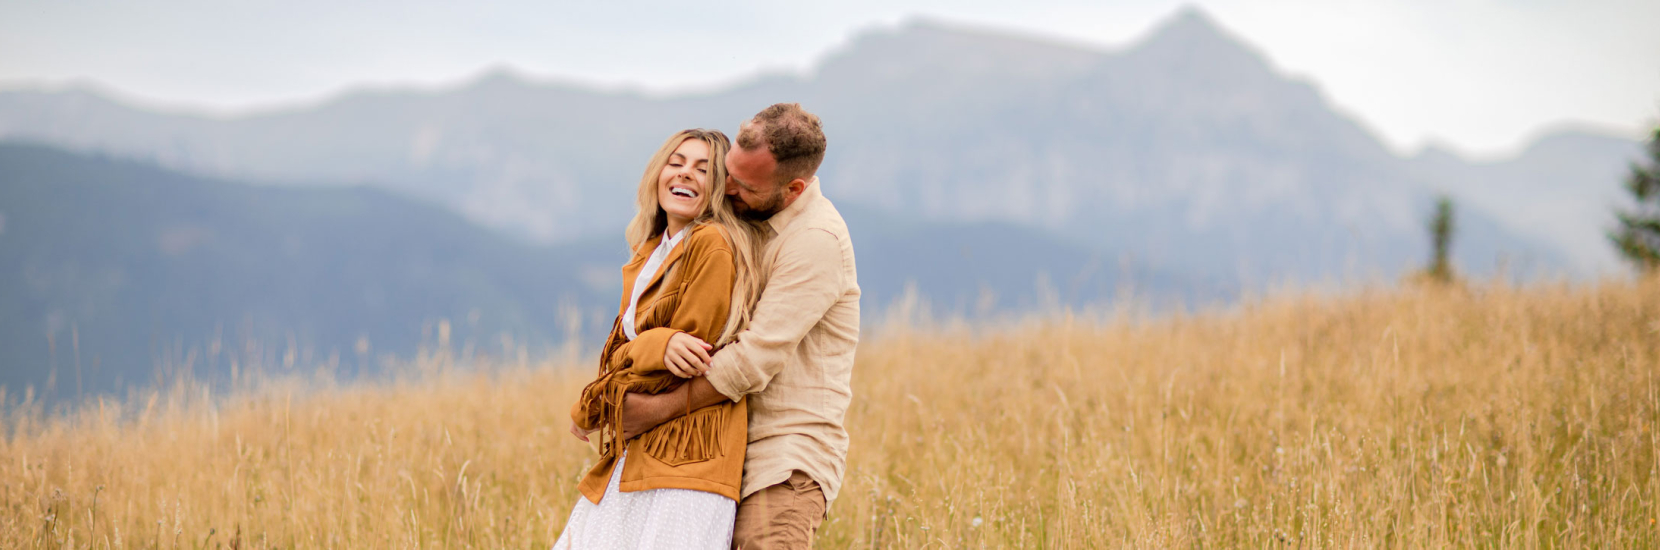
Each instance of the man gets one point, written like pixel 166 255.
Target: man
pixel 795 360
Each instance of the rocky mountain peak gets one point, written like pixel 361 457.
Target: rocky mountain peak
pixel 1191 39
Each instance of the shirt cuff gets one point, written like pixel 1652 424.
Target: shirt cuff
pixel 729 381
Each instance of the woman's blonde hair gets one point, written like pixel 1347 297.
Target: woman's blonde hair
pixel 742 236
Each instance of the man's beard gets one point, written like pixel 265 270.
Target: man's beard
pixel 762 212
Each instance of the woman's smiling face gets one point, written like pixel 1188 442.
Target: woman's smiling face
pixel 684 182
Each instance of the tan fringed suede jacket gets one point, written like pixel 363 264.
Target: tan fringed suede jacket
pixel 704 449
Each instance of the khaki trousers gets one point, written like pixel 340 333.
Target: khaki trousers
pixel 785 515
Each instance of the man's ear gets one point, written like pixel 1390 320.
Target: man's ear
pixel 795 187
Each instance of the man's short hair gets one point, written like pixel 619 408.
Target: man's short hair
pixel 793 136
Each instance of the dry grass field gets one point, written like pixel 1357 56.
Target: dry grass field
pixel 1410 417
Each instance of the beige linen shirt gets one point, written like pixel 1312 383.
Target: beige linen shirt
pixel 795 360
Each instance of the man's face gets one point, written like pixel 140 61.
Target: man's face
pixel 750 184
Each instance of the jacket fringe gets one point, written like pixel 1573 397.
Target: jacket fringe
pixel 691 438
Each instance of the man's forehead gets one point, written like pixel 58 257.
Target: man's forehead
pixel 755 162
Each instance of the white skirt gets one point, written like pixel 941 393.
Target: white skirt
pixel 654 518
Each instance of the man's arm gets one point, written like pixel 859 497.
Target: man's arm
pixel 805 282
pixel 642 412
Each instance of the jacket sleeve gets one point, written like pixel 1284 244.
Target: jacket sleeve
pixel 705 300
pixel 806 280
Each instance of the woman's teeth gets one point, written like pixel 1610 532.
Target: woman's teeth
pixel 683 192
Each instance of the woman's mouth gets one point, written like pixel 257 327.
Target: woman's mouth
pixel 685 192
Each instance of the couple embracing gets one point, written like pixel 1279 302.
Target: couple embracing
pixel 719 404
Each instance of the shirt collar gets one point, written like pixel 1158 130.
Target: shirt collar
pixel 783 218
pixel 670 241
pixel 676 238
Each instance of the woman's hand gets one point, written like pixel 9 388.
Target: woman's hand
pixel 687 356
pixel 579 432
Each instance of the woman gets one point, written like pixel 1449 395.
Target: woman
pixel 692 280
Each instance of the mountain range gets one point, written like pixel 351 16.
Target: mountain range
pixel 971 164
pixel 1187 141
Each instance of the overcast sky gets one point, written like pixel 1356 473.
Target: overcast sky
pixel 1482 76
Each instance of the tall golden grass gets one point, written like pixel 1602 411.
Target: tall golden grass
pixel 1413 417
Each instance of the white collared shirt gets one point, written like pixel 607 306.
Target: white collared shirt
pixel 653 262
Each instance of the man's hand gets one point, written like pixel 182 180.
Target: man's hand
pixel 687 356
pixel 579 432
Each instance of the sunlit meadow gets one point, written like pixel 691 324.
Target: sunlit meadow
pixel 1405 417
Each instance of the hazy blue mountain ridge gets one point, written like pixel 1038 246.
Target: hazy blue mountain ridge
pixel 1187 149
pixel 146 264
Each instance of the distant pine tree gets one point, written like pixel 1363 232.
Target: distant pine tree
pixel 1441 227
pixel 1638 234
